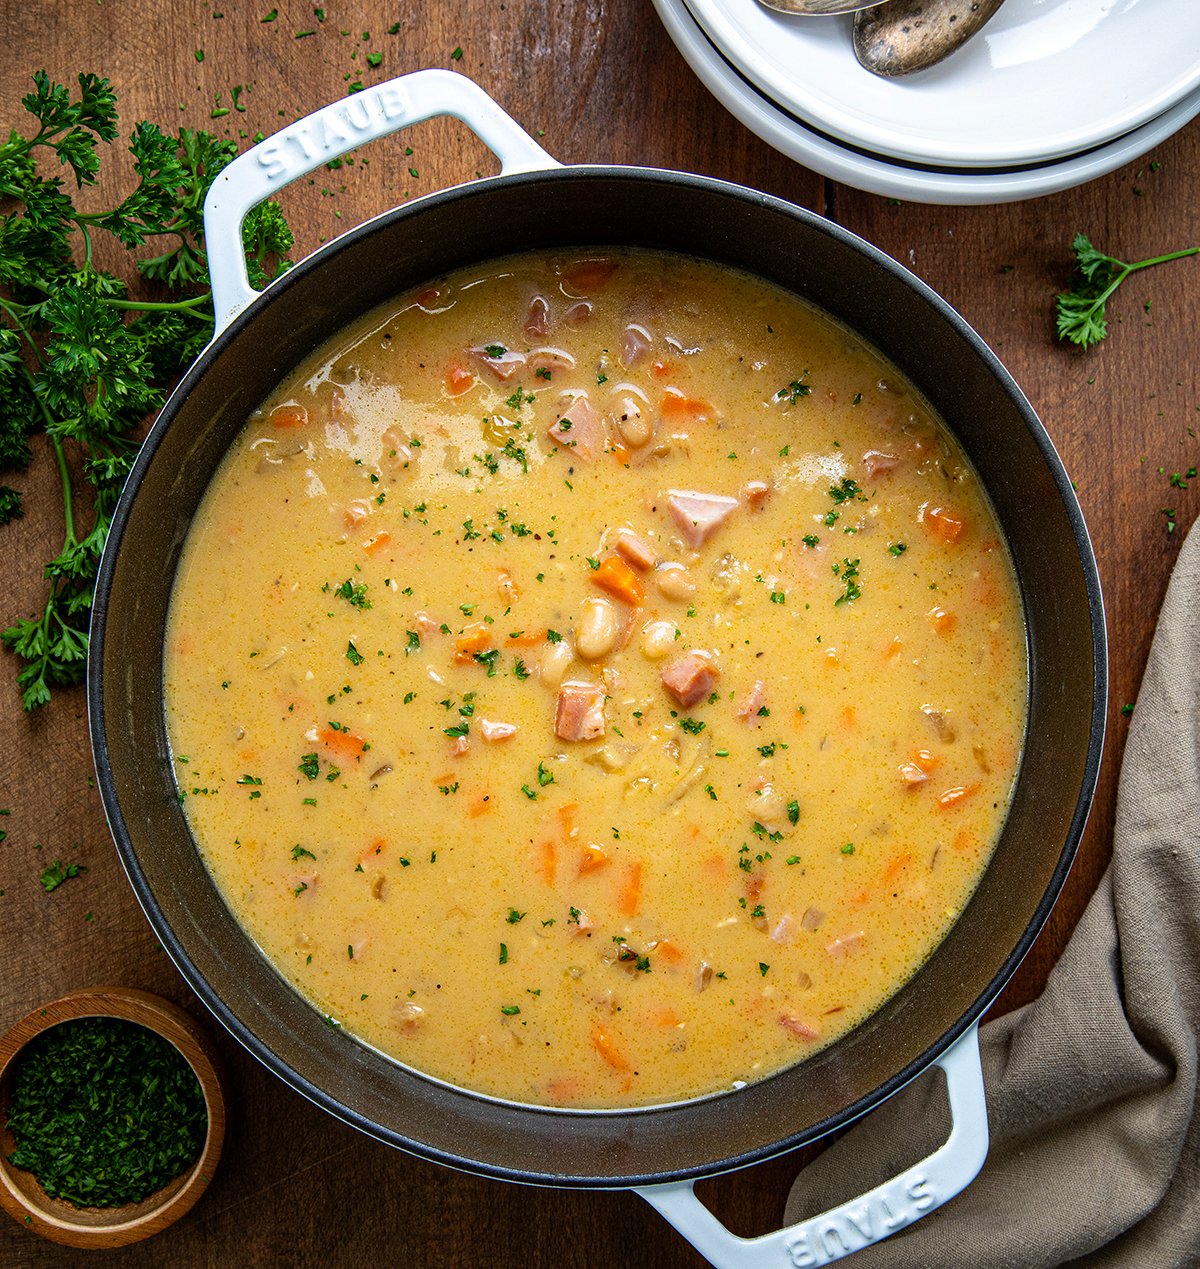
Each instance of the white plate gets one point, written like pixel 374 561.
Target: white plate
pixel 877 175
pixel 1042 80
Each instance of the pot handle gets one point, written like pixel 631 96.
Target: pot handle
pixel 864 1220
pixel 329 133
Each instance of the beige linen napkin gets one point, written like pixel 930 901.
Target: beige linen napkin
pixel 1092 1088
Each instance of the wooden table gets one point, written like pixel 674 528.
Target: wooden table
pixel 602 82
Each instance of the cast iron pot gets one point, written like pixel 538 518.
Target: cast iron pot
pixel 533 204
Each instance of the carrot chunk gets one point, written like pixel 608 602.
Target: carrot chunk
pixel 525 638
pixel 342 742
pixel 604 1044
pixel 458 379
pixel 677 407
pixel 629 897
pixel 592 859
pixel 941 620
pixel 670 952
pixel 944 524
pixel 952 797
pixel 377 543
pixel 474 639
pixel 289 416
pixel 566 817
pixel 897 865
pixel 619 580
pixel 480 804
pixel 548 862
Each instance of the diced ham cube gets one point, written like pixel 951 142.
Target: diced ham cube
pixel 911 776
pixel 847 944
pixel 798 1028
pixel 492 732
pixel 878 463
pixel 579 313
pixel 754 493
pixel 356 512
pixel 699 515
pixel 426 626
pixel 579 427
pixel 690 678
pixel 747 708
pixel 580 713
pixel 638 344
pixel 537 317
pixel 784 929
pixel 502 363
pixel 461 746
pixel 551 361
pixel 636 551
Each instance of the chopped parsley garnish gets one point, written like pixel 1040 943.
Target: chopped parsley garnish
pixel 794 390
pixel 310 765
pixel 488 659
pixel 510 1010
pixel 692 726
pixel 354 593
pixel 57 873
pixel 299 852
pixel 897 548
pixel 553 636
pixel 847 491
pixel 104 1112
pixel 848 572
pixel 793 812
pixel 353 655
pixel 514 916
pixel 545 775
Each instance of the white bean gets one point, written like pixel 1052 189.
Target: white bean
pixel 553 666
pixel 674 582
pixel 635 424
pixel 596 630
pixel 658 639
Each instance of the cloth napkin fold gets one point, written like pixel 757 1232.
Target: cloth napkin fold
pixel 1092 1088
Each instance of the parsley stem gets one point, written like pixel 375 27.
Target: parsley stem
pixel 11 310
pixel 1126 269
pixel 145 306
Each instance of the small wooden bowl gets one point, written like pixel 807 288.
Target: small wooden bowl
pixel 22 1196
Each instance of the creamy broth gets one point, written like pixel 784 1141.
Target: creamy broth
pixel 596 681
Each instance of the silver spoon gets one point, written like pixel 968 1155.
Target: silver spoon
pixel 911 35
pixel 819 8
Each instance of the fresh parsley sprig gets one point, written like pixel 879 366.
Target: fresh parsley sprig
pixel 80 359
pixel 1081 311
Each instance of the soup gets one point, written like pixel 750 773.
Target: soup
pixel 596 680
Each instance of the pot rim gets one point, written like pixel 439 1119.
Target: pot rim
pixel 276 293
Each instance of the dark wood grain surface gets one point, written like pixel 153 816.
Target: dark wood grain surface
pixel 600 80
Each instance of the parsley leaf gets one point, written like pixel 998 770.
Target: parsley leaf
pixel 1081 316
pixel 80 358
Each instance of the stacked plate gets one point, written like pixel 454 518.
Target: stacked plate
pixel 1051 93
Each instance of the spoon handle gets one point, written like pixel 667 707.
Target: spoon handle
pixel 911 35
